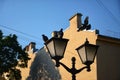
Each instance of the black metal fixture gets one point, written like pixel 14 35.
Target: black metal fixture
pixel 56 48
pixel 87 52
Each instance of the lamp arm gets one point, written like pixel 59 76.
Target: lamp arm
pixel 68 69
pixel 88 69
pixel 79 70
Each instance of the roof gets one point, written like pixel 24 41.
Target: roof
pixel 108 39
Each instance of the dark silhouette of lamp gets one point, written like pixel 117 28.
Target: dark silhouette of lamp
pixel 56 48
pixel 87 53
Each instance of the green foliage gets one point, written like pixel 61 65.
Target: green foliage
pixel 15 74
pixel 11 56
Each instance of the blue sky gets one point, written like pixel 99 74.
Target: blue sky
pixel 29 19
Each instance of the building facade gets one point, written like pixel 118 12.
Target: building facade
pixel 105 67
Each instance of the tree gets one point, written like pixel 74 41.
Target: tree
pixel 12 56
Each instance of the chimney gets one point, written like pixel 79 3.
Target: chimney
pixel 31 47
pixel 26 48
pixel 75 21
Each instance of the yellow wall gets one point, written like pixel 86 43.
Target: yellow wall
pixel 105 67
pixel 25 71
pixel 75 40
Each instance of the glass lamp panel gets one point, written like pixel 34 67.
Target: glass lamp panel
pixel 82 54
pixel 60 46
pixel 51 49
pixel 91 52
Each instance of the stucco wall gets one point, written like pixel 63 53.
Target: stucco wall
pixel 77 38
pixel 105 67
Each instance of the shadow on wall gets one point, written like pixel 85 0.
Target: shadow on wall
pixel 43 68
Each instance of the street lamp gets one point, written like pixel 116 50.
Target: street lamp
pixel 56 48
pixel 87 52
